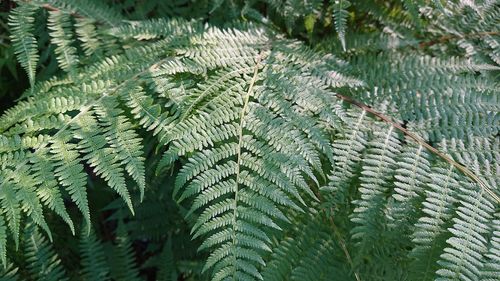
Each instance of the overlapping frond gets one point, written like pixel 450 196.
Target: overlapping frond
pixel 94 264
pixel 309 251
pixel 60 30
pixel 42 262
pixel 22 22
pixel 340 15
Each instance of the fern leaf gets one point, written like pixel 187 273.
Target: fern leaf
pixel 122 258
pixel 491 269
pixel 21 21
pixel 123 141
pixel 167 271
pixel 60 30
pixel 12 210
pixel 101 158
pixel 48 191
pixel 238 174
pixel 463 258
pixel 87 34
pixel 9 273
pixel 430 229
pixel 70 174
pixel 340 15
pixel 347 149
pixel 377 170
pixel 94 265
pixel 88 9
pixel 413 168
pixel 3 242
pixel 43 262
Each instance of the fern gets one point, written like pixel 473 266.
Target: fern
pixel 340 16
pixel 216 150
pixel 9 273
pixel 122 259
pixel 21 20
pixel 43 262
pixel 94 264
pixel 60 25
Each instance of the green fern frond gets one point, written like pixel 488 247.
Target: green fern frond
pixel 121 257
pixel 411 177
pixel 96 10
pixel 463 256
pixel 22 21
pixel 377 169
pixel 154 29
pixel 340 15
pixel 86 33
pixel 307 252
pixel 60 30
pixel 347 148
pixel 167 271
pixel 3 243
pixel 9 273
pixel 70 173
pixel 43 262
pixel 430 230
pixel 491 268
pixel 94 264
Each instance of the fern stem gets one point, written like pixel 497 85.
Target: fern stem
pixel 240 144
pixel 422 142
pixel 446 38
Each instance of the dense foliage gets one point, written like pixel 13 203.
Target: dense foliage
pixel 252 140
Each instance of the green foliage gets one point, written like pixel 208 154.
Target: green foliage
pixel 221 148
pixel 22 22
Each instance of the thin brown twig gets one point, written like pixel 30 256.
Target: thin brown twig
pixel 422 142
pixel 446 38
pixel 52 8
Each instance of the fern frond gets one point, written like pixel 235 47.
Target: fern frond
pixel 430 230
pixel 22 21
pixel 167 271
pixel 231 182
pixel 60 30
pixel 101 158
pixel 340 15
pixel 307 252
pixel 70 173
pixel 94 264
pixel 256 138
pixel 463 258
pixel 123 140
pixel 86 33
pixel 3 243
pixel 154 29
pixel 9 273
pixel 121 257
pixel 377 169
pixel 43 262
pixel 347 148
pixel 491 269
pixel 411 177
pixel 86 8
